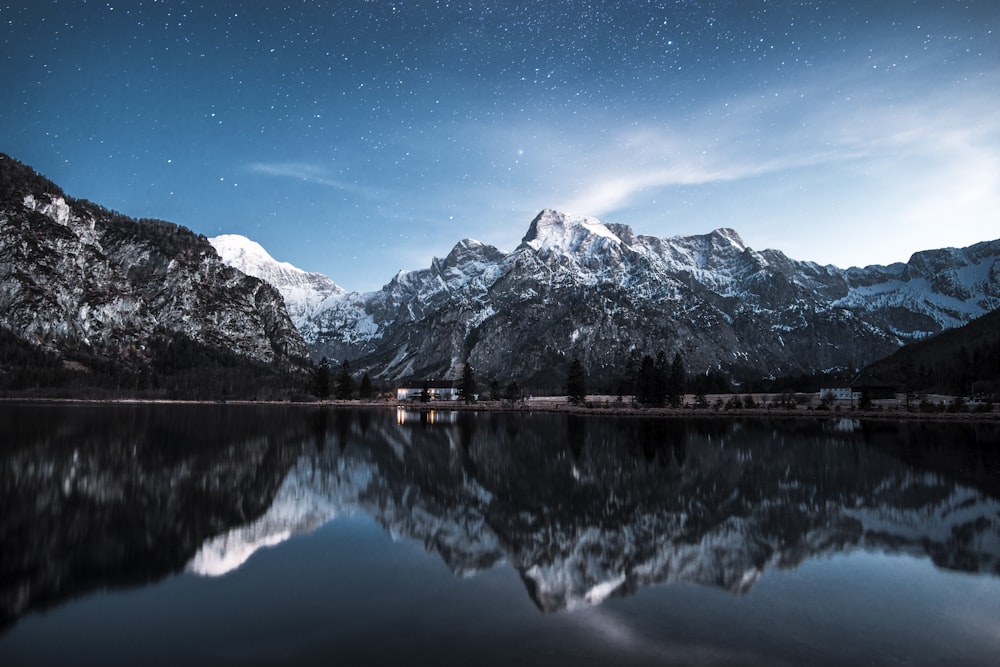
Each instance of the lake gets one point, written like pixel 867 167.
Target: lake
pixel 232 534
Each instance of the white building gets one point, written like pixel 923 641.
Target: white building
pixel 437 390
pixel 840 393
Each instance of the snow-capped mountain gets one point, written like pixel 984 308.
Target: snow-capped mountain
pixel 304 293
pixel 80 279
pixel 76 278
pixel 578 287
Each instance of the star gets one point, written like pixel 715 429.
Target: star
pixel 796 123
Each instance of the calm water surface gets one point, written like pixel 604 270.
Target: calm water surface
pixel 299 535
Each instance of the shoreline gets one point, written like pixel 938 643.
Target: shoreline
pixel 560 405
pixel 689 412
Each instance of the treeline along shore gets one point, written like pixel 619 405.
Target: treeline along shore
pixel 731 406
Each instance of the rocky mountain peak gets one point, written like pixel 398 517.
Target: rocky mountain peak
pixel 470 251
pixel 722 243
pixel 236 248
pixel 562 232
pixel 251 258
pixel 302 291
pixel 727 236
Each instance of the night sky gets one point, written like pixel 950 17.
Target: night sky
pixel 359 138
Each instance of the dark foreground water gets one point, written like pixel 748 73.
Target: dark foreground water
pixel 295 535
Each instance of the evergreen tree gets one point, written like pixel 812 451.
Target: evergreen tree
pixel 652 381
pixel 700 401
pixel 321 379
pixel 576 383
pixel 662 379
pixel 961 372
pixel 906 379
pixel 366 390
pixel 626 384
pixel 676 382
pixel 865 402
pixel 467 387
pixel 958 404
pixel 513 392
pixel 710 382
pixel 345 383
pixel 645 381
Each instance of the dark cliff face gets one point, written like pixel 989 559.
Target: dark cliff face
pixel 76 278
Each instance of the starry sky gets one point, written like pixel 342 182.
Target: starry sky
pixel 357 138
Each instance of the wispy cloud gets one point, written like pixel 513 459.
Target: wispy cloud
pixel 953 132
pixel 619 186
pixel 637 162
pixel 310 173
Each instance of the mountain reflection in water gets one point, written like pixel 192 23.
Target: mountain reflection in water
pixel 583 508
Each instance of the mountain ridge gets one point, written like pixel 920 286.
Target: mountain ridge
pixel 77 278
pixel 575 286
